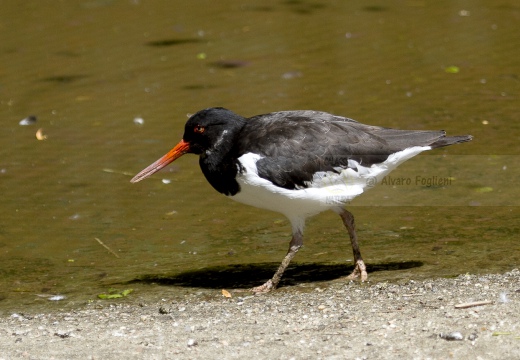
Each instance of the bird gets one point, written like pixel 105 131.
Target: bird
pixel 298 163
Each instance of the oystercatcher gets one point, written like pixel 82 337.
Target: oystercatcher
pixel 298 163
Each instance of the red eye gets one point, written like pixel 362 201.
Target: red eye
pixel 199 129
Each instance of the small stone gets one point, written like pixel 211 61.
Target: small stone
pixel 452 336
pixel 503 298
pixel 192 342
pixel 163 310
pixel 62 334
pixel 472 337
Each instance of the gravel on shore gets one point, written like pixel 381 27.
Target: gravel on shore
pixel 468 317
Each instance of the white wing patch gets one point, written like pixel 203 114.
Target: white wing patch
pixel 357 175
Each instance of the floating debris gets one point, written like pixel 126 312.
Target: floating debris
pixel 484 189
pixel 452 69
pixel 113 171
pixel 40 135
pixel 291 75
pixel 106 247
pixel 29 120
pixel 139 121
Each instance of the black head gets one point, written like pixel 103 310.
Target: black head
pixel 208 131
pixel 209 128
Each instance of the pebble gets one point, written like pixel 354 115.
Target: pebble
pixel 503 298
pixel 472 337
pixel 452 336
pixel 163 310
pixel 62 334
pixel 192 342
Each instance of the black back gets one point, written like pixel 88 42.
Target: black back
pixel 297 144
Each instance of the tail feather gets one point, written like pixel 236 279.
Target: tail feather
pixel 450 140
pixel 403 139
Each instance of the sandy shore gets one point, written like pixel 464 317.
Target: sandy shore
pixel 413 320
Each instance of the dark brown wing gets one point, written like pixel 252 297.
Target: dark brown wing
pixel 297 144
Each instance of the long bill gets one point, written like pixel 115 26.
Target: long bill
pixel 180 149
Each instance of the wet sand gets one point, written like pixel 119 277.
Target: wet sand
pixel 412 320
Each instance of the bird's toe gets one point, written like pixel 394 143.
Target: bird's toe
pixel 264 288
pixel 360 271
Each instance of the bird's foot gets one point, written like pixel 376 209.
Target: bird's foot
pixel 265 288
pixel 360 271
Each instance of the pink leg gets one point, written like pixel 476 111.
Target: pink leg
pixel 360 270
pixel 294 246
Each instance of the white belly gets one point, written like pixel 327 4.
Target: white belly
pixel 326 191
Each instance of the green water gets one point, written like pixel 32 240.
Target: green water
pixel 87 69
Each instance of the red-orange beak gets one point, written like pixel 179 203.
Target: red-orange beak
pixel 180 149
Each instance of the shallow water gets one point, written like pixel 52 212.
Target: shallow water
pixel 88 69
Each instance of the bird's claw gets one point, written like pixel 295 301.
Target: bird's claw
pixel 360 271
pixel 264 288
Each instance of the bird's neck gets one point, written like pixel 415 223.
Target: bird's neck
pixel 220 165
